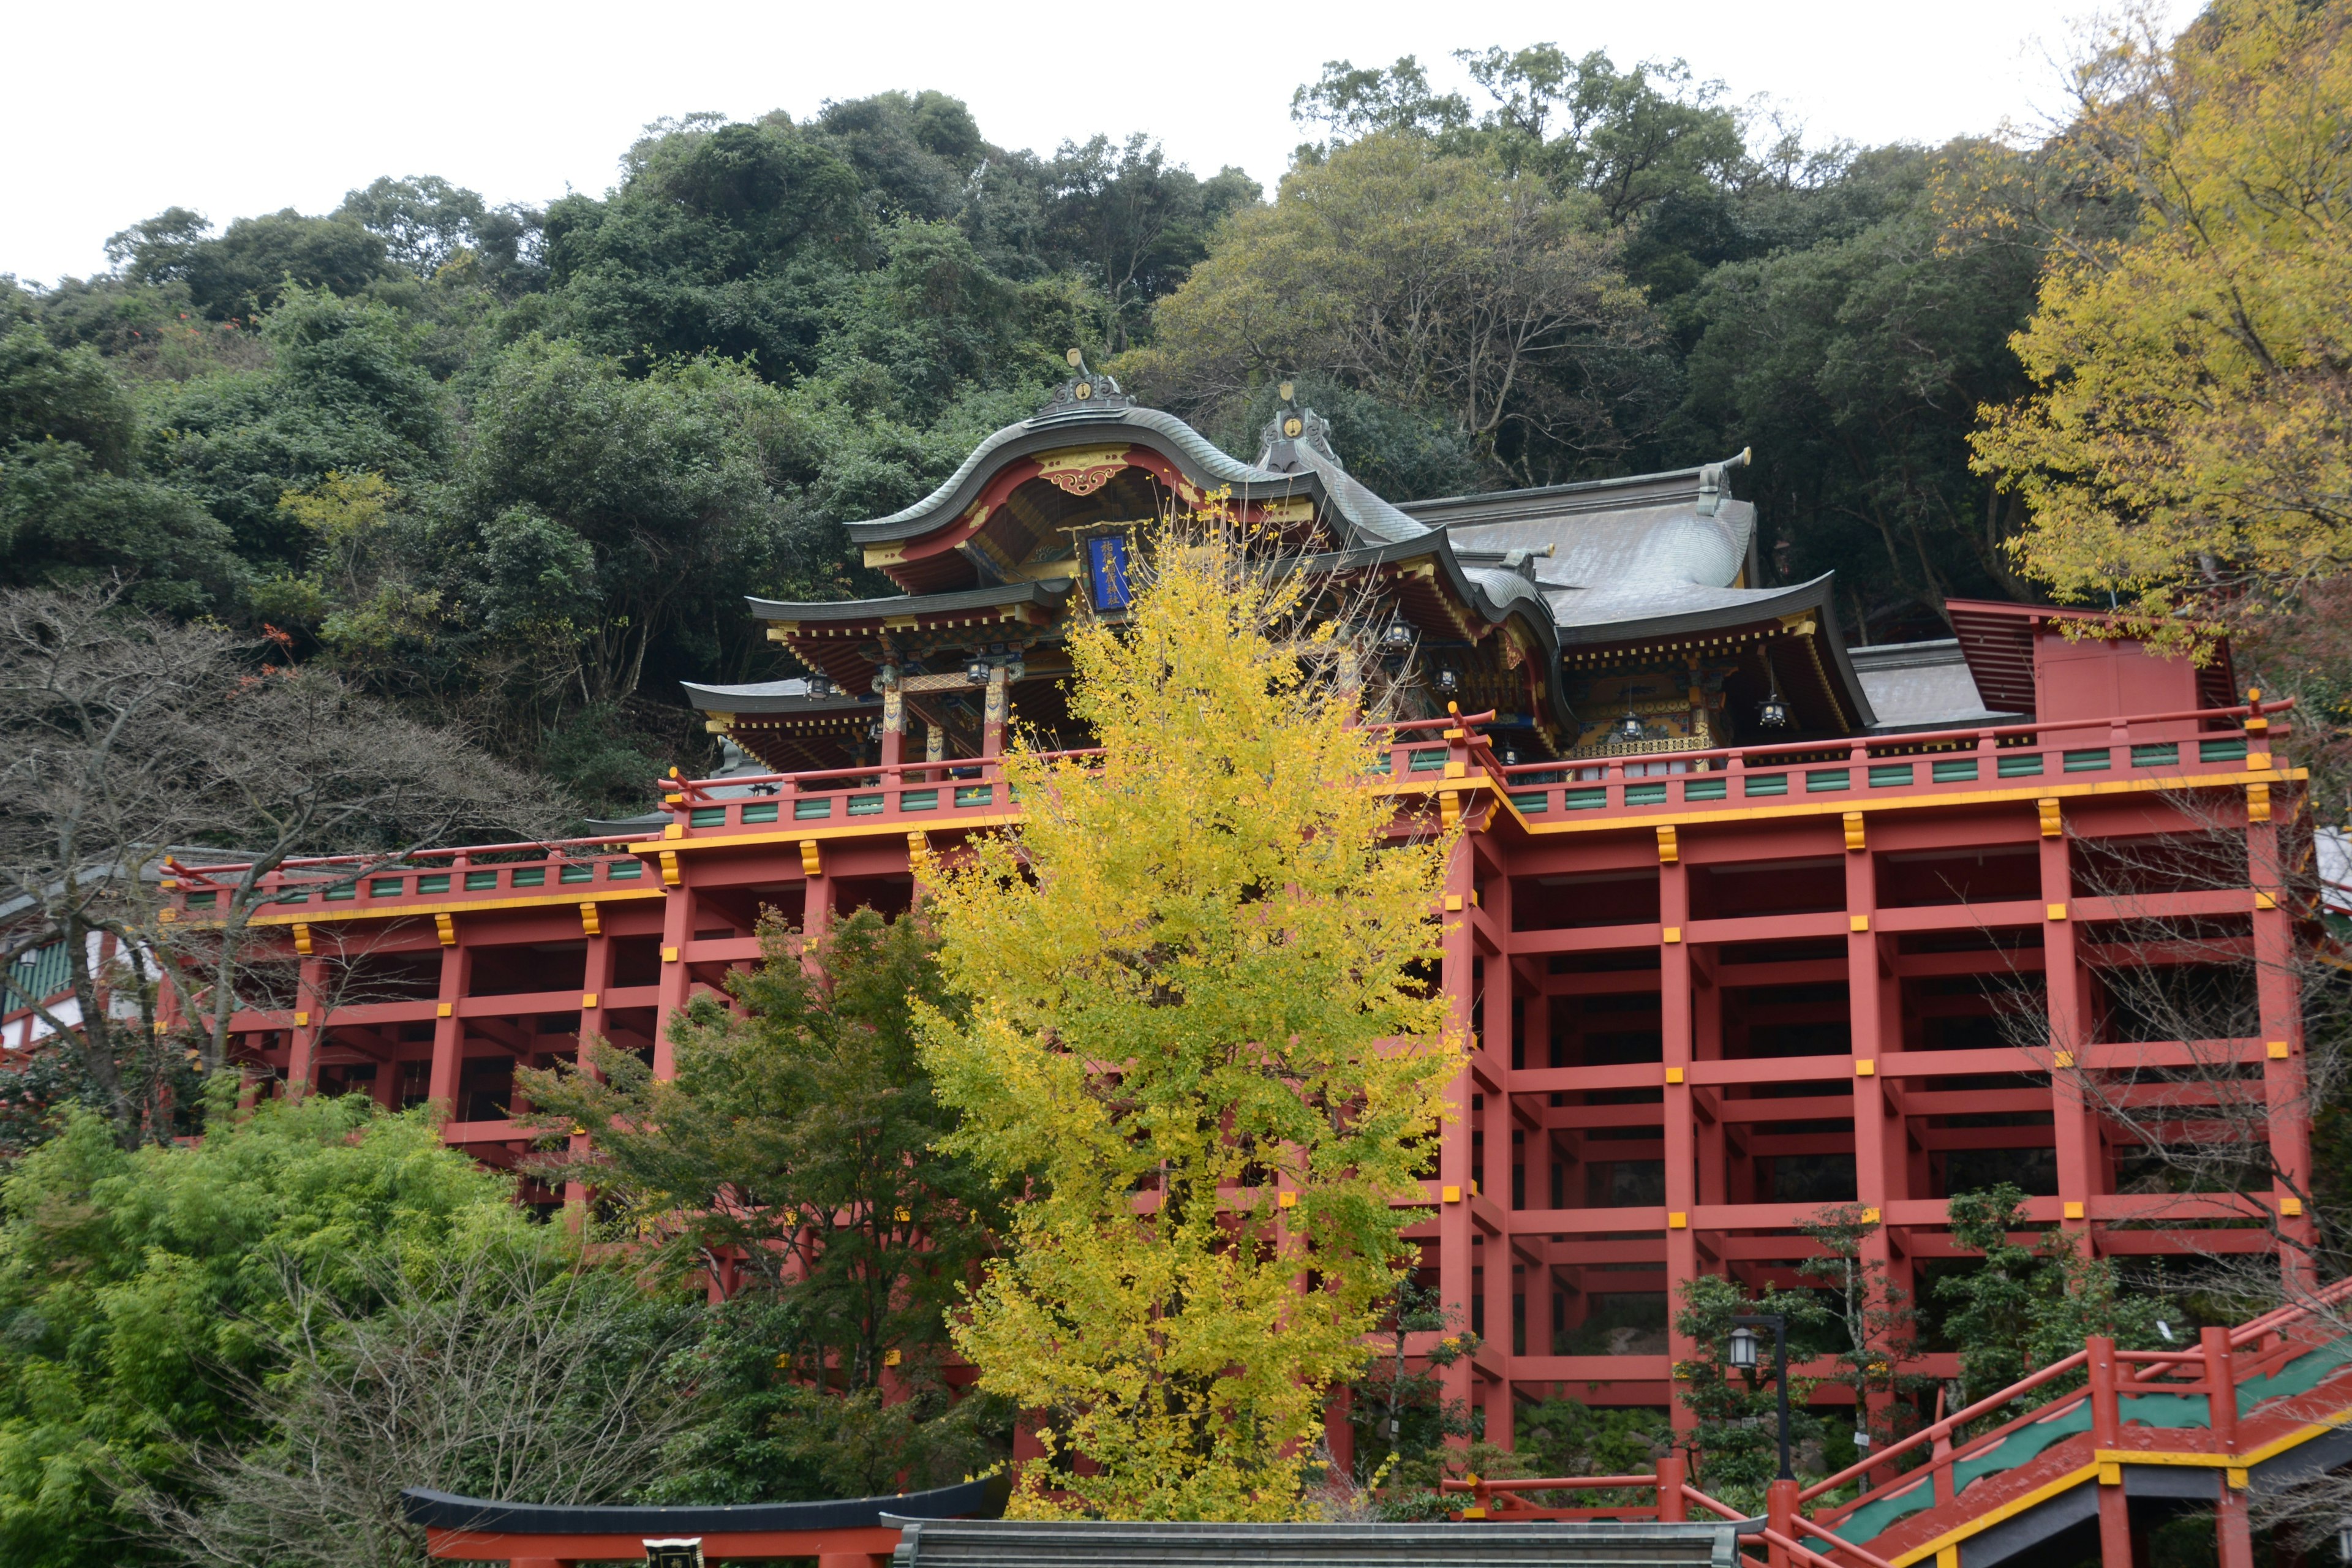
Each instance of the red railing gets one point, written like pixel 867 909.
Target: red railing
pixel 1945 762
pixel 2215 1369
pixel 2217 1372
pixel 337 886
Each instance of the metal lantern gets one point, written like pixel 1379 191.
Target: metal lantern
pixel 1774 712
pixel 1510 757
pixel 1743 1349
pixel 1398 637
pixel 1630 726
pixel 1448 683
pixel 874 731
pixel 977 672
pixel 818 686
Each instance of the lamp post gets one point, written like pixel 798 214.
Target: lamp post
pixel 1743 1357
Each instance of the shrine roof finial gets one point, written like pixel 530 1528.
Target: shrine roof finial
pixel 1085 392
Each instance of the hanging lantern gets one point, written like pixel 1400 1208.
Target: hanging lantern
pixel 1398 637
pixel 1629 728
pixel 977 672
pixel 1448 683
pixel 1743 1349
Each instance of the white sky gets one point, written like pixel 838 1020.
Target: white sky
pixel 247 107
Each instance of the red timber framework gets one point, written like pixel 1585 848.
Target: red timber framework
pixel 1741 930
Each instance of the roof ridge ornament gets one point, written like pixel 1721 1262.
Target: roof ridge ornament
pixel 1086 391
pixel 1715 481
pixel 1291 427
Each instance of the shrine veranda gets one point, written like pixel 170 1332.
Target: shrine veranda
pixel 1719 972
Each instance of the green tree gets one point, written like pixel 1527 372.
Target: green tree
pixel 74 509
pixel 137 1287
pixel 1399 1413
pixel 1878 1324
pixel 602 520
pixel 800 1141
pixel 1853 366
pixel 343 392
pixel 1435 282
pixel 2025 1307
pixel 1198 1025
pixel 1736 1437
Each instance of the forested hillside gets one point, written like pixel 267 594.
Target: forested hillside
pixel 512 468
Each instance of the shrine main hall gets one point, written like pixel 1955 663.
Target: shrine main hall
pixel 1749 921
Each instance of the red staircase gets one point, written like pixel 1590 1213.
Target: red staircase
pixel 2149 1433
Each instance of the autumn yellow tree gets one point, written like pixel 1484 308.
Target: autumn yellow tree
pixel 2189 449
pixel 1200 1029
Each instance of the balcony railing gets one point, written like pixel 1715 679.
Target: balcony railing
pixel 342 886
pixel 1419 755
pixel 1924 765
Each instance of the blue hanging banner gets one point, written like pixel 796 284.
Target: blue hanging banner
pixel 1106 570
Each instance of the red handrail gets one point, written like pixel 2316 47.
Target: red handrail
pixel 1953 1423
pixel 1911 739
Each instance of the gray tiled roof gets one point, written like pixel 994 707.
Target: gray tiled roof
pixel 1922 686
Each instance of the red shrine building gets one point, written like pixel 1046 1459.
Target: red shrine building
pixel 1750 921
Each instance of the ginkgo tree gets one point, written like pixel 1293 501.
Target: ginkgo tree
pixel 1200 1024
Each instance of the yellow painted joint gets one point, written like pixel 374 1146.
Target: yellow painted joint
pixel 2291 1208
pixel 2258 762
pixel 1288 1201
pixel 1452 904
pixel 675 830
pixel 1456 768
pixel 2111 1475
pixel 587 998
pixel 1674 1075
pixel 669 867
pixel 1859 924
pixel 302 1020
pixel 812 858
pixel 1854 831
pixel 445 1010
pixel 2052 824
pixel 1678 1220
pixel 591 924
pixel 2278 1049
pixel 445 928
pixel 303 939
pixel 1669 851
pixel 1865 1068
pixel 2057 912
pixel 1670 934
pixel 2258 802
pixel 2264 900
pixel 2062 1058
pixel 167 916
pixel 1870 1217
pixel 1449 1194
pixel 2072 1211
pixel 2236 1478
pixel 670 955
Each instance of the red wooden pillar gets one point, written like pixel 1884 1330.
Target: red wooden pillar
pixel 1494 1055
pixel 1672 1471
pixel 2106 1433
pixel 2075 1124
pixel 1780 1514
pixel 670 992
pixel 596 980
pixel 2233 1532
pixel 1869 1004
pixel 1453 1171
pixel 1679 1114
pixel 309 1027
pixel 2284 1089
pixel 448 1029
